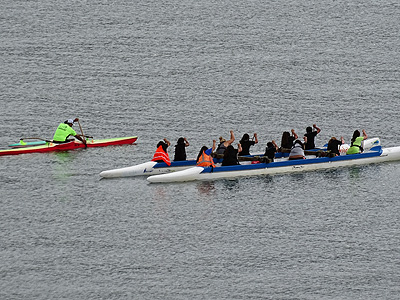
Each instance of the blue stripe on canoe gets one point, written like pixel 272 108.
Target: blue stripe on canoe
pixel 235 168
pixel 375 151
pixel 324 159
pixel 183 163
pixel 294 162
pixel 186 163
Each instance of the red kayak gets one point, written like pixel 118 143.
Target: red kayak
pixel 49 146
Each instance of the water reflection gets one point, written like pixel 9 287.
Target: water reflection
pixel 206 187
pixel 160 194
pixel 267 179
pixel 63 156
pixel 162 199
pixel 62 165
pixel 231 184
pixel 355 173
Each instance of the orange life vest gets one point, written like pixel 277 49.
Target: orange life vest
pixel 161 155
pixel 205 161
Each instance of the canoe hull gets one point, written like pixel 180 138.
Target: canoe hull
pixel 148 168
pixel 152 168
pixel 50 147
pixel 284 166
pixel 108 142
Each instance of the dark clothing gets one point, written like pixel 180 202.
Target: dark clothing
pixel 221 148
pixel 164 145
pixel 180 152
pixel 270 152
pixel 333 146
pixel 246 147
pixel 289 143
pixel 66 141
pixel 230 158
pixel 310 140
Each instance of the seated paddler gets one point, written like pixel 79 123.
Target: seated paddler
pixel 65 130
pixel 231 156
pixel 288 140
pixel 180 149
pixel 270 150
pixel 334 146
pixel 357 142
pixel 161 154
pixel 297 151
pixel 245 142
pixel 204 158
pixel 223 143
pixel 311 134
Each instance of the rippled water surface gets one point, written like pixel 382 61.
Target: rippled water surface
pixel 197 69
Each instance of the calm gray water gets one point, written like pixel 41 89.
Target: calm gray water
pixel 197 69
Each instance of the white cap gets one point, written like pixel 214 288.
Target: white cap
pixel 70 121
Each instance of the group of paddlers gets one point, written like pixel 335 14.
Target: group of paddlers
pixel 230 155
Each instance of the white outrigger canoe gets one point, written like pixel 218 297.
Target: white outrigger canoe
pixel 376 154
pixel 155 168
pixel 148 168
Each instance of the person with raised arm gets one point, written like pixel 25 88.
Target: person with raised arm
pixel 161 154
pixel 356 142
pixel 311 134
pixel 180 149
pixel 245 142
pixel 223 143
pixel 288 139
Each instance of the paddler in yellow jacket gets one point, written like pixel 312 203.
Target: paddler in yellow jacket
pixel 356 142
pixel 64 130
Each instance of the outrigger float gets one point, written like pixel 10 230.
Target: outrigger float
pixel 376 154
pixel 49 146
